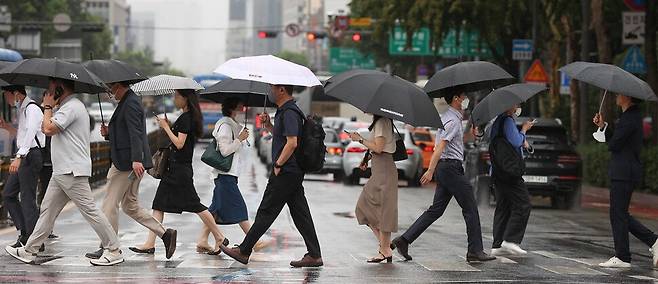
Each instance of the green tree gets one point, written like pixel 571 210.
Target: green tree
pixel 295 57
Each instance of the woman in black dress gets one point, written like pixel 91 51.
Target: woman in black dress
pixel 176 192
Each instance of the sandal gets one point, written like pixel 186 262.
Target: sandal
pixel 388 259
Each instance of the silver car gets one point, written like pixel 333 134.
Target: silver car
pixel 410 169
pixel 333 159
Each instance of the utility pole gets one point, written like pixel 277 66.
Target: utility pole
pixel 584 56
pixel 534 103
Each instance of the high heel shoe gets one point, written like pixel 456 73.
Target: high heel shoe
pixel 144 251
pixel 388 259
pixel 225 242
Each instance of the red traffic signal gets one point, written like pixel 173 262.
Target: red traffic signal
pixel 311 36
pixel 356 37
pixel 267 34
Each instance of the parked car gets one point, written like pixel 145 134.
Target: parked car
pixel 410 169
pixel 553 170
pixel 425 141
pixel 333 159
pixel 95 111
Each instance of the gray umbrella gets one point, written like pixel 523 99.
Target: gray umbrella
pixel 36 72
pixel 384 94
pixel 113 71
pixel 4 64
pixel 610 78
pixel 503 99
pixel 472 75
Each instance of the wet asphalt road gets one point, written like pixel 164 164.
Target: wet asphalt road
pixel 564 246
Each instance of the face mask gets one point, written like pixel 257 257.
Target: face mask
pixel 518 112
pixel 271 97
pixel 599 135
pixel 465 103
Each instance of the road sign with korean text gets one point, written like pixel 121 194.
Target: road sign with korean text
pixel 522 49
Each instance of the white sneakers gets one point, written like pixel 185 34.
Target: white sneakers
pixel 21 254
pixel 615 262
pixel 108 258
pixel 512 248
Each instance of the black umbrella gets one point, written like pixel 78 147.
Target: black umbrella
pixel 251 93
pixel 36 72
pixel 503 99
pixel 472 75
pixel 386 95
pixel 4 64
pixel 113 71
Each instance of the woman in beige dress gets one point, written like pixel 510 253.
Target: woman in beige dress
pixel 378 204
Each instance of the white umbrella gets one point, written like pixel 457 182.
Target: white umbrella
pixel 268 69
pixel 164 85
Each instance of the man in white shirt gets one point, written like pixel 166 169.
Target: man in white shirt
pixel 69 127
pixel 26 166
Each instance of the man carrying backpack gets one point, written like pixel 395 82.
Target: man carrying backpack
pixel 26 166
pixel 285 183
pixel 512 197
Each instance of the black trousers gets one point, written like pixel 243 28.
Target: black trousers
pixel 286 188
pixel 451 182
pixel 512 211
pixel 622 222
pixel 19 194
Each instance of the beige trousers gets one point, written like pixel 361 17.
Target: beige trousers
pixel 120 191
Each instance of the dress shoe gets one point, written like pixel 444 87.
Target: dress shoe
pixel 235 253
pixel 144 251
pixel 479 256
pixel 402 247
pixel 18 243
pixel 307 261
pixel 169 240
pixel 95 255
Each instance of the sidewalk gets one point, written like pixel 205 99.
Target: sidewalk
pixel 642 204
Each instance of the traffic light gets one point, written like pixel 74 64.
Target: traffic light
pixel 312 36
pixel 267 34
pixel 356 37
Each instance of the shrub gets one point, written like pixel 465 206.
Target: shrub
pixel 595 158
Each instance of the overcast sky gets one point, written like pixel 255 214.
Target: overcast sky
pixel 193 51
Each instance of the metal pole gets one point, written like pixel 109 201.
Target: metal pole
pixel 584 56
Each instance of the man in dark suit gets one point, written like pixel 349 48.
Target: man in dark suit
pixel 131 156
pixel 625 172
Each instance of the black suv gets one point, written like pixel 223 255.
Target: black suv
pixel 553 170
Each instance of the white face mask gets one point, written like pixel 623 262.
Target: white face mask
pixel 518 112
pixel 465 103
pixel 599 135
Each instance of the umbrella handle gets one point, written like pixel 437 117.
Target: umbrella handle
pixel 245 123
pixel 101 109
pixel 605 92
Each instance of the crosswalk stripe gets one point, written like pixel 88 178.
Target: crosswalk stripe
pixel 570 270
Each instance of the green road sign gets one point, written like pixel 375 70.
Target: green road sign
pixel 343 59
pixel 420 44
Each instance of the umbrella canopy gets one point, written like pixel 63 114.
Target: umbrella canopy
pixel 4 64
pixel 251 93
pixel 386 95
pixel 503 99
pixel 268 69
pixel 610 78
pixel 36 72
pixel 473 75
pixel 164 85
pixel 113 71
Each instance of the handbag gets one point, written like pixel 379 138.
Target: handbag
pixel 400 153
pixel 212 157
pixel 160 163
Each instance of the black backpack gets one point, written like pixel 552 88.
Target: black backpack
pixel 310 149
pixel 45 149
pixel 506 161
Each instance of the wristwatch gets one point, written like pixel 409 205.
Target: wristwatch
pixel 18 156
pixel 361 140
pixel 277 166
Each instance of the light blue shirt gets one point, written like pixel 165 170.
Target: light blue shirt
pixel 453 133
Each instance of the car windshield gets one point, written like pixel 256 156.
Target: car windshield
pixel 547 136
pixel 422 137
pixel 331 137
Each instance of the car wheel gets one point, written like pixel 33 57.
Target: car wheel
pixel 415 181
pixel 352 179
pixel 559 202
pixel 338 176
